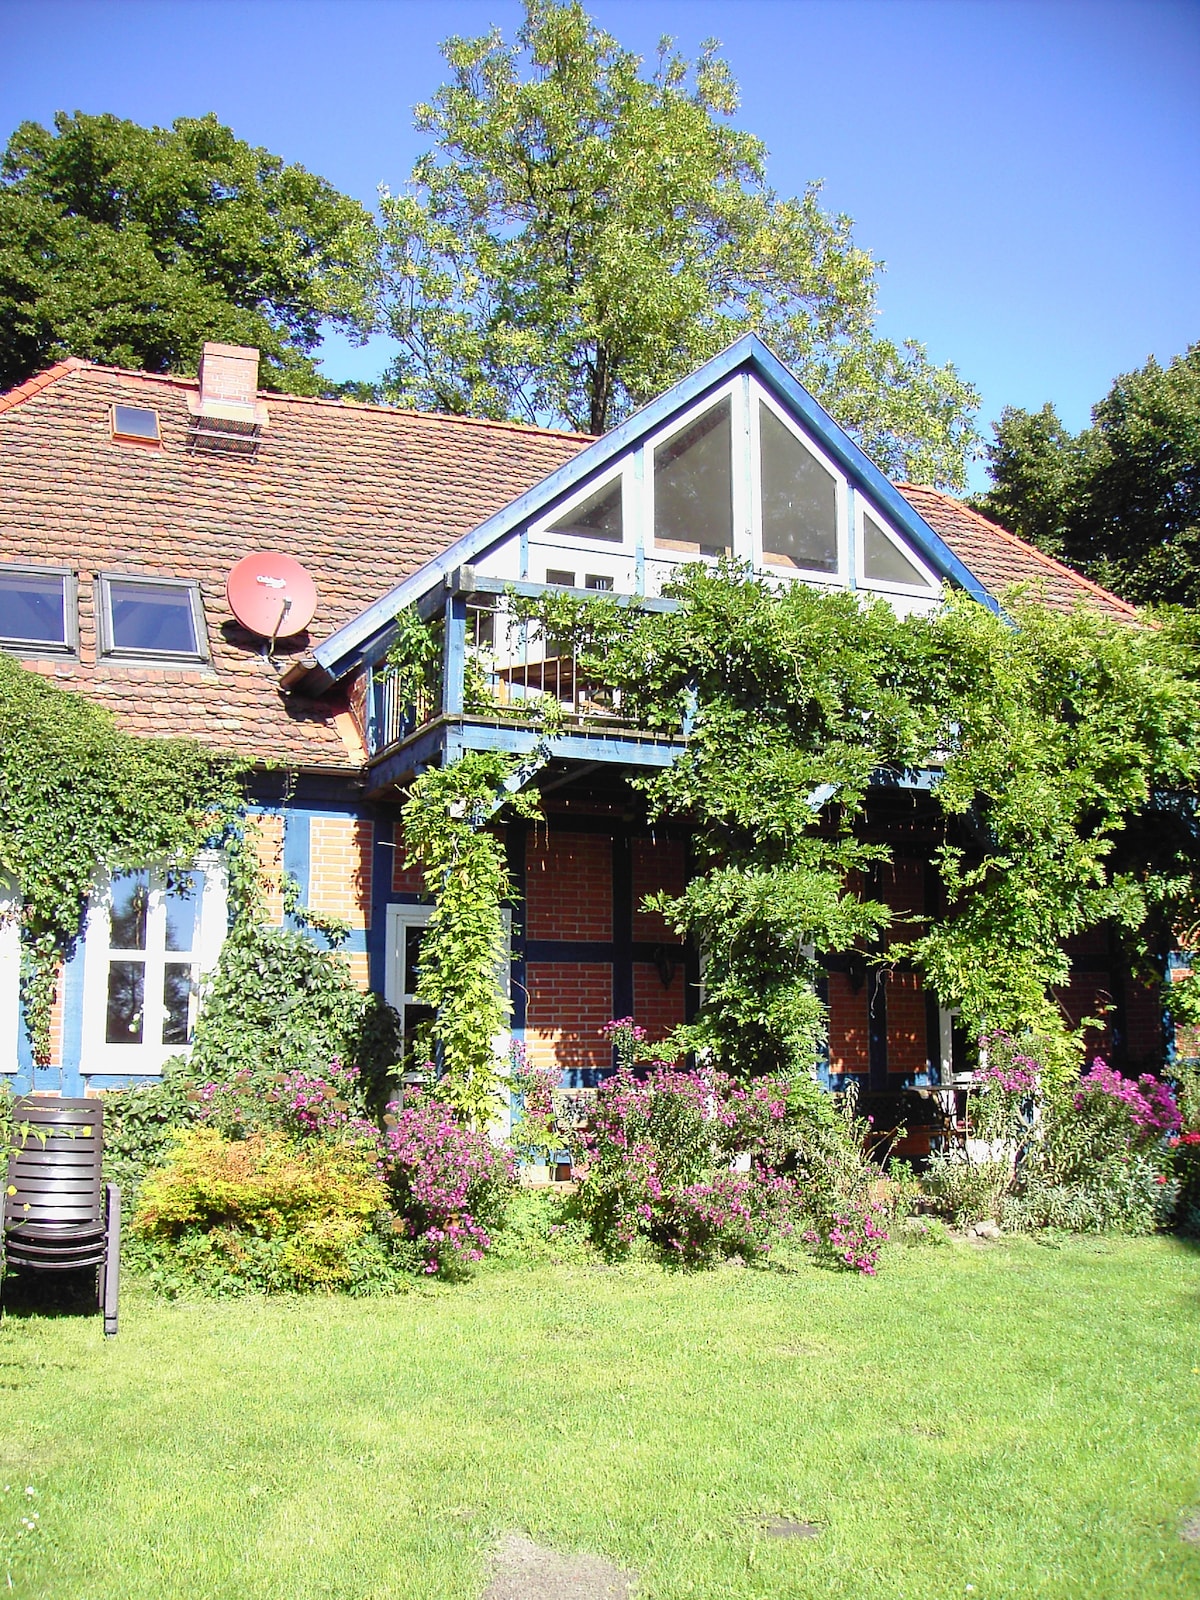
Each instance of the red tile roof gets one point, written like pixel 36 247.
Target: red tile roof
pixel 362 495
pixel 999 559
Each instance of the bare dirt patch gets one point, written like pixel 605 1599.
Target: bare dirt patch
pixel 522 1570
pixel 1189 1528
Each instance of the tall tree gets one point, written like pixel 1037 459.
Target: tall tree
pixel 134 245
pixel 1121 499
pixel 582 234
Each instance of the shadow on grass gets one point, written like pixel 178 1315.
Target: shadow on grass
pixel 49 1294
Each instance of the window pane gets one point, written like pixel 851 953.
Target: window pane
pixel 883 561
pixel 182 903
pixel 126 987
pixel 597 580
pixel 799 500
pixel 152 616
pixel 135 422
pixel 560 578
pixel 177 994
pixel 693 486
pixel 412 956
pixel 597 517
pixel 127 919
pixel 32 608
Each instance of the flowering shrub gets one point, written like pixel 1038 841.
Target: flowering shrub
pixel 267 1211
pixel 1132 1113
pixel 301 1103
pixel 852 1237
pixel 702 1165
pixel 448 1181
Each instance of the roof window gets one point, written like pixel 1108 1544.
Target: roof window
pixel 37 609
pixel 799 500
pixel 151 618
pixel 884 561
pixel 137 423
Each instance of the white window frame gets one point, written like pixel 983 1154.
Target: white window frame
pixel 932 584
pixel 145 1060
pixel 401 917
pixel 111 651
pixel 740 510
pixel 840 579
pixel 10 978
pixel 543 531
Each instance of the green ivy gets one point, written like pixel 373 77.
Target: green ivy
pixel 78 795
pixel 447 833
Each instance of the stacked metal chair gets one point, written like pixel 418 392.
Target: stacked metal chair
pixel 59 1215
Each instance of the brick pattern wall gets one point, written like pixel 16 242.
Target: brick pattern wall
pixel 360 969
pixel 658 1010
pixel 902 887
pixel 658 864
pixel 569 886
pixel 569 1002
pixel 405 880
pixel 907 1023
pixel 340 868
pixel 1087 995
pixel 268 845
pixel 1143 1020
pixel 849 1029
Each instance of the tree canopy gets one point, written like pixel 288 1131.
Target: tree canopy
pixel 581 235
pixel 133 245
pixel 1119 500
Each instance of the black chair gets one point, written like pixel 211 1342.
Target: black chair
pixel 59 1215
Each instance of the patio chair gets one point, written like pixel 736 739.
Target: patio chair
pixel 59 1216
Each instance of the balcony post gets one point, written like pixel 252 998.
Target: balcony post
pixel 454 658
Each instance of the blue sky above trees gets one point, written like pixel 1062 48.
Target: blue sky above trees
pixel 1030 172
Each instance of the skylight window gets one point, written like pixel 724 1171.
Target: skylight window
pixel 135 422
pixel 799 500
pixel 151 617
pixel 693 486
pixel 884 561
pixel 596 517
pixel 37 609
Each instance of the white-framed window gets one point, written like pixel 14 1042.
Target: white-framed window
pixel 888 562
pixel 694 490
pixel 594 517
pixel 406 925
pixel 38 610
pixel 799 499
pixel 151 938
pixel 10 977
pixel 150 619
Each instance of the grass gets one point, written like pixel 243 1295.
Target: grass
pixel 1010 1421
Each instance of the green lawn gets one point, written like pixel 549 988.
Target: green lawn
pixel 1005 1421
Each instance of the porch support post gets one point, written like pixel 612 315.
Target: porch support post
pixel 454 655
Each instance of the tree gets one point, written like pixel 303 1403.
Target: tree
pixel 134 245
pixel 581 235
pixel 1121 499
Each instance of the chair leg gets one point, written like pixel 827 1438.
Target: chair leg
pixel 110 1272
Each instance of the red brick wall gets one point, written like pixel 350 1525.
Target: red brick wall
pixel 339 882
pixel 405 880
pixel 849 1033
pixel 1143 1020
pixel 658 1010
pixel 657 864
pixel 569 1002
pixel 569 886
pixel 907 1024
pixel 1087 995
pixel 902 887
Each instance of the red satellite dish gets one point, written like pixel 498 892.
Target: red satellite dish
pixel 271 594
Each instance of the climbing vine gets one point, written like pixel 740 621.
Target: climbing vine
pixel 1061 752
pixel 77 795
pixel 447 834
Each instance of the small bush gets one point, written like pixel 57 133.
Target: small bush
pixel 267 1212
pixel 448 1181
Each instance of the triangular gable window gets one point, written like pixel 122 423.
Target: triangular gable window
pixel 693 486
pixel 799 500
pixel 883 561
pixel 596 517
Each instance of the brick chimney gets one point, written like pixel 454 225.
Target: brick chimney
pixel 227 417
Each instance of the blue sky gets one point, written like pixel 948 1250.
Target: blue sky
pixel 1028 169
